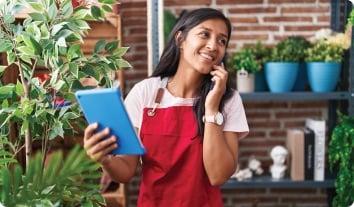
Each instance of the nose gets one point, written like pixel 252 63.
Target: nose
pixel 211 44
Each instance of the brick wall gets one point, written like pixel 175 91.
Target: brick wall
pixel 268 21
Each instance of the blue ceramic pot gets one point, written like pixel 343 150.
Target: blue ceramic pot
pixel 281 76
pixel 301 81
pixel 260 81
pixel 323 76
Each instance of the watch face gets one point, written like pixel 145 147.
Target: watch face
pixel 219 118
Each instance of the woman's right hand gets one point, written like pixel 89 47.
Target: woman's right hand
pixel 98 145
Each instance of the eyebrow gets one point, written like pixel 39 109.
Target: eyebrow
pixel 208 29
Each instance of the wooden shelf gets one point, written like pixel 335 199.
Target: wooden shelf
pixel 295 96
pixel 268 182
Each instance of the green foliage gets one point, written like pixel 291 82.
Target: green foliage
pixel 169 22
pixel 49 38
pixel 291 49
pixel 341 155
pixel 322 51
pixel 60 183
pixel 245 59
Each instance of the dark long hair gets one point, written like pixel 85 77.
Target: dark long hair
pixel 169 60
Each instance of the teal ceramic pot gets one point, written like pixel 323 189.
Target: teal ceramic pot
pixel 301 82
pixel 281 76
pixel 323 76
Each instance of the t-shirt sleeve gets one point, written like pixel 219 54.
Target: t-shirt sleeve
pixel 235 116
pixel 134 105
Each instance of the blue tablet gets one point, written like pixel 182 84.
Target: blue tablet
pixel 106 107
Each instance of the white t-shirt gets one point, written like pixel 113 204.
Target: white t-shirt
pixel 143 94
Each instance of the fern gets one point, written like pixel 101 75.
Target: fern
pixel 66 182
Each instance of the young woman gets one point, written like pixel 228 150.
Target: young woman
pixel 187 116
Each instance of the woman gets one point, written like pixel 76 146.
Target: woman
pixel 187 116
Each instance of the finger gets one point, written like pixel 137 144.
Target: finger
pixel 103 144
pixel 220 74
pixel 106 152
pixel 95 138
pixel 90 129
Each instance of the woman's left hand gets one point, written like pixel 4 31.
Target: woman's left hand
pixel 213 98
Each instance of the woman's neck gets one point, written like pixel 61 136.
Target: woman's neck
pixel 185 83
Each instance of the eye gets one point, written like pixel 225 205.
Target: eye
pixel 222 41
pixel 204 34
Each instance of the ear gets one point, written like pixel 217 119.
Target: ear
pixel 178 38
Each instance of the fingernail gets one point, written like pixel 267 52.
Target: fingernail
pixel 107 130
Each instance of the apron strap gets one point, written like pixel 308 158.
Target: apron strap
pixel 158 97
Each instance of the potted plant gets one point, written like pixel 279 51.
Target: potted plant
pixel 323 62
pixel 261 52
pixel 341 158
pixel 245 64
pixel 282 67
pixel 49 38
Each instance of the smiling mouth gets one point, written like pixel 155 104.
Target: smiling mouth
pixel 207 57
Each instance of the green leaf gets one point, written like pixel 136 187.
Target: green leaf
pixel 9 19
pixel 36 46
pixel 37 17
pixel 81 13
pixel 19 89
pixel 107 8
pixel 59 85
pixel 70 115
pixel 24 126
pixel 56 28
pixel 26 50
pixel 56 130
pixel 47 190
pixel 10 57
pixel 61 42
pixel 121 51
pixel 74 52
pixel 123 64
pixel 100 45
pixel 53 11
pixel 108 1
pixel 74 69
pixel 67 9
pixel 37 6
pixel 6 91
pixel 5 46
pixel 81 24
pixel 44 32
pixel 96 12
pixel 111 46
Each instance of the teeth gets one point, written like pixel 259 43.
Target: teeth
pixel 206 56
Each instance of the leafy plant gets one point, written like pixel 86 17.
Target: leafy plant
pixel 68 183
pixel 49 38
pixel 169 22
pixel 245 59
pixel 261 52
pixel 341 155
pixel 291 49
pixel 323 51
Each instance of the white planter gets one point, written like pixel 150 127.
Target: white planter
pixel 245 82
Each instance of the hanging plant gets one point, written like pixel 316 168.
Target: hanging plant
pixel 341 156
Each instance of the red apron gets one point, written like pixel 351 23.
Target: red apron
pixel 173 173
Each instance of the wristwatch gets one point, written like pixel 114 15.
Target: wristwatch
pixel 217 118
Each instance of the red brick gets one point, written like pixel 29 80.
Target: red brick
pixel 287 19
pixel 303 28
pixel 186 2
pixel 251 115
pixel 134 13
pixel 140 30
pixel 125 4
pixel 249 37
pixel 317 104
pixel 134 22
pixel 256 124
pixel 255 199
pixel 136 75
pixel 249 143
pixel 297 114
pixel 255 28
pixel 282 37
pixel 290 1
pixel 265 105
pixel 309 9
pixel 235 2
pixel 277 133
pixel 255 10
pixel 288 191
pixel 236 20
pixel 324 19
pixel 247 154
pixel 134 39
pixel 312 199
pixel 257 134
pixel 294 124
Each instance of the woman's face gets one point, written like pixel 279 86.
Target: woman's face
pixel 204 46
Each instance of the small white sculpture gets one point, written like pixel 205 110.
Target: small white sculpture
pixel 242 174
pixel 278 154
pixel 255 165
